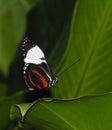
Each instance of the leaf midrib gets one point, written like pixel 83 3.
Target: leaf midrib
pixel 60 117
pixel 97 38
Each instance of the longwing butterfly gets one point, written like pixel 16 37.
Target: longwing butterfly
pixel 37 73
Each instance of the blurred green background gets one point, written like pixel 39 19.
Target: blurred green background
pixel 67 31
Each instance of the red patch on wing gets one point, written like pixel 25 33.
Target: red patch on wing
pixel 43 80
pixel 31 81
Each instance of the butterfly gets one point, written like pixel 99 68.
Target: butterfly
pixel 36 72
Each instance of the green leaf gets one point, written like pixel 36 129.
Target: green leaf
pixel 3 90
pixel 90 41
pixel 12 29
pixel 28 4
pixel 87 113
pixel 51 31
pixel 5 104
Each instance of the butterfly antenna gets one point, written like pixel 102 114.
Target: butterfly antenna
pixel 67 67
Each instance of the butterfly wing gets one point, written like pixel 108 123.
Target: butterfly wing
pixel 37 73
pixel 35 77
pixel 32 53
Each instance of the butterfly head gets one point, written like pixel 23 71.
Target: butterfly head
pixel 55 80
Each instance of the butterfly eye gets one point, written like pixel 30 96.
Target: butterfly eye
pixel 56 79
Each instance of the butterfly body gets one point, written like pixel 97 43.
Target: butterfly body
pixel 37 73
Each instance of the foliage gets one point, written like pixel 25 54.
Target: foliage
pixel 76 38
